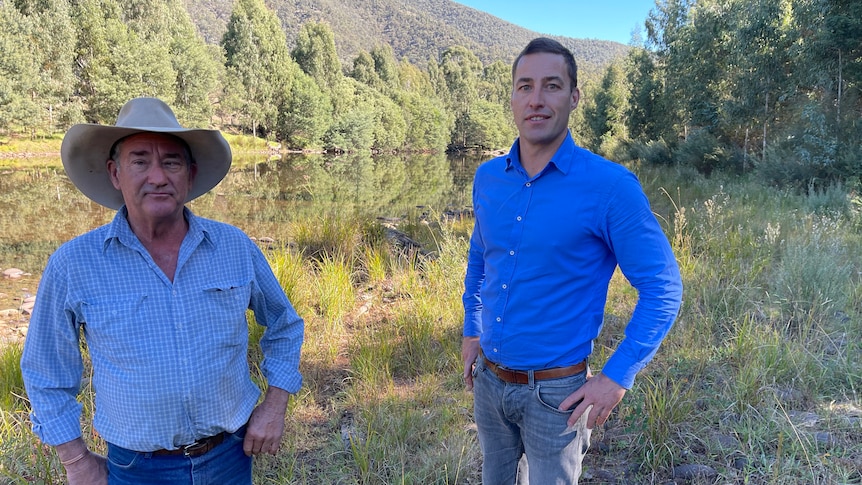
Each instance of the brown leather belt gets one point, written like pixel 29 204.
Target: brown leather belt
pixel 197 448
pixel 522 377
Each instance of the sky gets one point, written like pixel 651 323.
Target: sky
pixel 580 19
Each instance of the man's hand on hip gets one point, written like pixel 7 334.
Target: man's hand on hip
pixel 266 424
pixel 469 354
pixel 90 470
pixel 601 393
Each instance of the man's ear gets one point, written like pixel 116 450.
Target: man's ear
pixel 112 167
pixel 576 97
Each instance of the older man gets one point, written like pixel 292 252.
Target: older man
pixel 160 296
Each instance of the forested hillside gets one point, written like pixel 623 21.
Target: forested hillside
pixel 415 29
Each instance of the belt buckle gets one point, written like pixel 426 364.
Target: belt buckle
pixel 188 450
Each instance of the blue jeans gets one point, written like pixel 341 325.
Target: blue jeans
pixel 522 419
pixel 226 464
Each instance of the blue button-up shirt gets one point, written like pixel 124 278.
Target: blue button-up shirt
pixel 169 358
pixel 543 251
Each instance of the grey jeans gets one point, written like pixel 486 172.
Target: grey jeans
pixel 523 419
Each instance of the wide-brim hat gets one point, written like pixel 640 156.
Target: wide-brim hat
pixel 87 147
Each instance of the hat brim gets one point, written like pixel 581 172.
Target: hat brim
pixel 86 148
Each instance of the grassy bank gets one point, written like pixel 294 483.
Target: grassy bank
pixel 758 382
pixel 25 152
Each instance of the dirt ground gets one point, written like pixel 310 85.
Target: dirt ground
pixel 13 293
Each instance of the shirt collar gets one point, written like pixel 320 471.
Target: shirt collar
pixel 120 231
pixel 563 158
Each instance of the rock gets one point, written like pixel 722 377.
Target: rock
pixel 739 463
pixel 825 438
pixel 351 437
pixel 789 395
pixel 694 470
pixel 726 442
pixel 801 418
pixel 10 312
pixel 14 273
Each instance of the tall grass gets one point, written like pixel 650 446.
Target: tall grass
pixel 759 379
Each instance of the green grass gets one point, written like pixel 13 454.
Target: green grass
pixel 764 356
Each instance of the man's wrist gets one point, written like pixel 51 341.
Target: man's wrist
pixel 72 452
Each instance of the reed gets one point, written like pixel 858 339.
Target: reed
pixel 759 378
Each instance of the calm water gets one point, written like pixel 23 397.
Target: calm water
pixel 40 208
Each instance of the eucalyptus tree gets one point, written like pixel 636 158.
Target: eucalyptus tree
pixel 316 55
pixel 429 122
pixel 256 59
pixel 51 44
pixel 764 47
pixel 461 70
pixel 608 116
pixel 665 28
pixel 304 112
pixel 115 63
pixel 645 103
pixel 386 67
pixel 18 71
pixel 366 119
pixel 495 84
pixel 834 55
pixel 195 72
pixel 363 70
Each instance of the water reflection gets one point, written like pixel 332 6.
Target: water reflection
pixel 40 208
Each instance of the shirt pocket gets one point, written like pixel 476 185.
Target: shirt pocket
pixel 224 305
pixel 120 327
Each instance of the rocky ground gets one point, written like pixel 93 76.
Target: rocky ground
pixel 17 287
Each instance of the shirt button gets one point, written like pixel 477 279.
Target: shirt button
pixel 518 218
pixel 529 184
pixel 499 319
pixel 505 286
pixel 511 253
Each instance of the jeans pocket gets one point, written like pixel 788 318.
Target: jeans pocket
pixel 238 435
pixel 122 458
pixel 552 392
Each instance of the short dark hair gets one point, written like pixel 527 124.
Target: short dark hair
pixel 549 46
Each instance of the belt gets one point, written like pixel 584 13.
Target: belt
pixel 197 448
pixel 522 377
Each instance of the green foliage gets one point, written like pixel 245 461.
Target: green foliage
pixel 11 382
pixel 315 53
pixel 488 125
pixel 607 115
pixel 655 152
pixel 704 152
pixel 257 63
pixel 18 71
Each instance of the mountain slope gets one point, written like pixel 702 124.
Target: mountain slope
pixel 416 29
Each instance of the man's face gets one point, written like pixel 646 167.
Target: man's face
pixel 542 99
pixel 154 175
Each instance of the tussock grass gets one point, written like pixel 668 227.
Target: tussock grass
pixel 759 379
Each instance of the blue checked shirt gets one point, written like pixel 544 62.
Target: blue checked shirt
pixel 543 251
pixel 169 358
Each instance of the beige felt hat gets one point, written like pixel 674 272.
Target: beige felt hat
pixel 86 149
